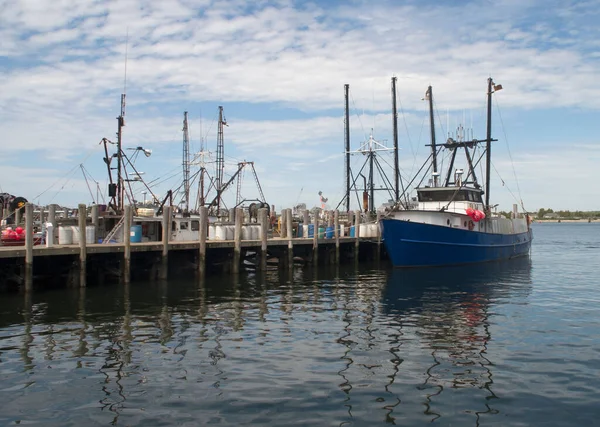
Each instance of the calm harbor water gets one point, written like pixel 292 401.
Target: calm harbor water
pixel 506 344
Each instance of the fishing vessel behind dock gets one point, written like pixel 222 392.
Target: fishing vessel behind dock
pixel 452 220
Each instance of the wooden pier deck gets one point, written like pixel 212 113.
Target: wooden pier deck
pixel 99 248
pixel 85 261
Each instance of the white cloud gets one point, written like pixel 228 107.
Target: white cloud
pixel 282 67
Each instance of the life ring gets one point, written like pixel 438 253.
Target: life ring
pixel 471 225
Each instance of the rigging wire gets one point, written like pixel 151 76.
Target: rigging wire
pixel 509 153
pixel 357 115
pixel 508 188
pixel 85 176
pixel 405 125
pixel 68 179
pixel 74 169
pixel 412 168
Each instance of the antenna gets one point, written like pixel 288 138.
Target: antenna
pixel 220 157
pixel 201 134
pixel 121 124
pixel 373 103
pixel 126 51
pixel 186 163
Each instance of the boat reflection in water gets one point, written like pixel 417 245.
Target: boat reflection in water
pixel 276 348
pixel 444 321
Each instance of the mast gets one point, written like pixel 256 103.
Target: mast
pixel 220 156
pixel 395 118
pixel 120 183
pixel 186 163
pixel 488 145
pixel 202 167
pixel 347 142
pixel 371 207
pixel 429 96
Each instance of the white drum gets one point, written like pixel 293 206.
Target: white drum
pixel 65 235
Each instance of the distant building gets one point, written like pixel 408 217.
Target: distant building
pixel 551 215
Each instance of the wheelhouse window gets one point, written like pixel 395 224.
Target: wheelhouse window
pixel 449 195
pixel 476 197
pixel 183 225
pixel 195 225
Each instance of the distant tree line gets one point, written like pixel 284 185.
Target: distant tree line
pixel 549 213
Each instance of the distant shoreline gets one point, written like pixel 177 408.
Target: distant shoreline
pixel 565 220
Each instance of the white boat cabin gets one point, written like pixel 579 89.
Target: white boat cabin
pixel 447 206
pixel 449 199
pixel 182 228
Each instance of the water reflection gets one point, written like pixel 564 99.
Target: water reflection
pixel 448 312
pixel 299 347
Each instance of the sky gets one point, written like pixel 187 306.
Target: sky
pixel 278 68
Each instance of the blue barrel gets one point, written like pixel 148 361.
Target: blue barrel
pixel 136 234
pixel 311 231
pixel 299 232
pixel 352 233
pixel 329 232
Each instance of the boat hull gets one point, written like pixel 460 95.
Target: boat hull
pixel 413 244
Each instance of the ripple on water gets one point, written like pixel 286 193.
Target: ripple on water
pixel 503 344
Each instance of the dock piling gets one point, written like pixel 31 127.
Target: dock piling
pixel 262 264
pixel 127 242
pixel 237 240
pixel 95 220
pixel 283 227
pixel 290 236
pixel 336 233
pixel 166 231
pixel 202 232
pixel 316 239
pixel 82 210
pixel 52 220
pixel 28 234
pixel 28 247
pixel 356 234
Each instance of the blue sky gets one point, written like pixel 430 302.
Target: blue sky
pixel 278 69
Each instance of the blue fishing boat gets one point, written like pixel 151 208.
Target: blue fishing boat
pixel 451 220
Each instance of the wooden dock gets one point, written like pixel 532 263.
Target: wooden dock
pixel 83 263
